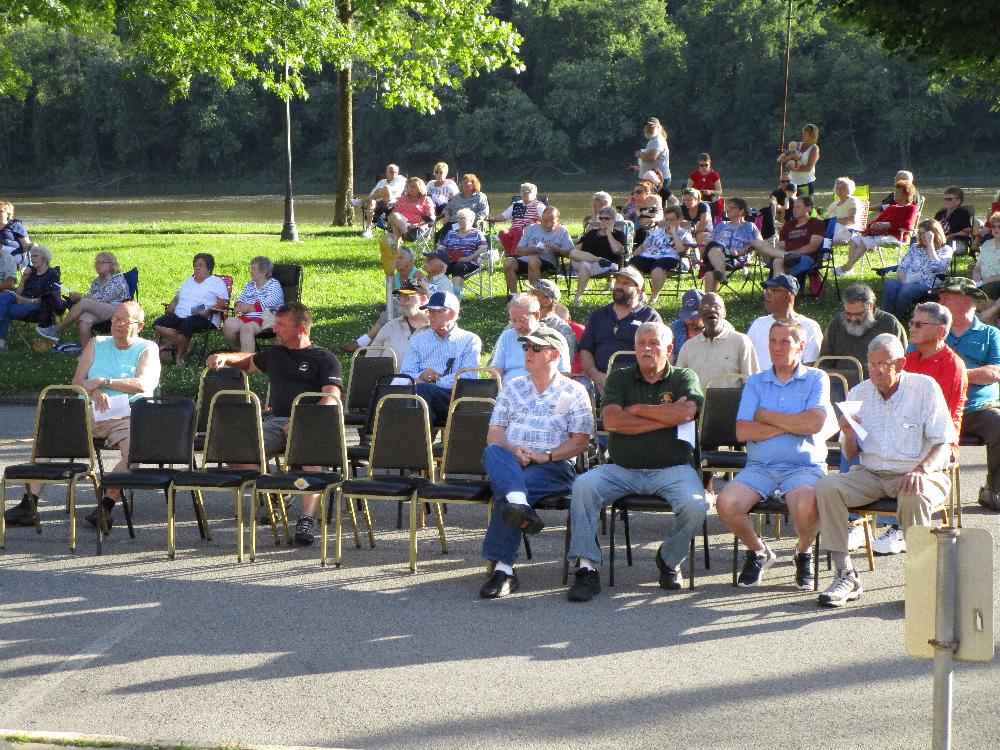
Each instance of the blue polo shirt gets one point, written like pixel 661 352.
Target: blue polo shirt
pixel 978 346
pixel 808 388
pixel 606 333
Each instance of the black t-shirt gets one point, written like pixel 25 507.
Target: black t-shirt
pixel 295 371
pixel 595 243
pixel 960 219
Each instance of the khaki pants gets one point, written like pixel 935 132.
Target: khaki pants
pixel 839 492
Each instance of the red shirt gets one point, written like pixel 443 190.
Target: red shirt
pixel 578 329
pixel 948 370
pixel 902 219
pixel 796 237
pixel 704 182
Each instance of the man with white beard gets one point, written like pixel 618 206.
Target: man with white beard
pixel 850 332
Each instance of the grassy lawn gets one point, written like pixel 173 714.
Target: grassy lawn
pixel 343 284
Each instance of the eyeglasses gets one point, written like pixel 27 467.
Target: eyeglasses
pixel 536 348
pixel 920 323
pixel 880 366
pixel 125 321
pixel 524 318
pixel 605 218
pixel 704 164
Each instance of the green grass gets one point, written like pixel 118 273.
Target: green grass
pixel 343 285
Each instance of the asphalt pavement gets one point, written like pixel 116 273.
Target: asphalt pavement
pixel 205 651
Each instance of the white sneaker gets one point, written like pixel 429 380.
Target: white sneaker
pixel 367 234
pixel 48 332
pixel 356 202
pixel 892 542
pixel 846 587
pixel 856 538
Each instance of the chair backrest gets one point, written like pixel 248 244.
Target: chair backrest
pixel 384 386
pixel 477 387
pixel 289 275
pixel 465 436
pixel 365 371
pixel 316 433
pixel 132 282
pixel 622 358
pixel 228 281
pixel 838 386
pixel 717 424
pixel 849 367
pixel 62 427
pixel 401 436
pixel 866 208
pixel 213 381
pixel 162 431
pixel 235 435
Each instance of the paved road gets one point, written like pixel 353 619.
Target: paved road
pixel 206 651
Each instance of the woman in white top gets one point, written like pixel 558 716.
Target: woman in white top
pixel 845 210
pixel 656 155
pixel 261 293
pixel 986 273
pixel 196 307
pixel 442 188
pixel 801 162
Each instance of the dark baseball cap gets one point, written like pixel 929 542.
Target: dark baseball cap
pixel 690 303
pixel 784 281
pixel 441 255
pixel 544 336
pixel 407 288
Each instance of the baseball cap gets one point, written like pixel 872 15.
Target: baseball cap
pixel 631 273
pixel 784 281
pixel 546 288
pixel 790 186
pixel 441 255
pixel 442 301
pixel 544 336
pixel 405 289
pixel 652 121
pixel 690 303
pixel 961 285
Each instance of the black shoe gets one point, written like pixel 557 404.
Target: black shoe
pixel 804 578
pixel 720 276
pixel 670 578
pixel 521 517
pixel 586 586
pixel 754 567
pixel 500 584
pixel 93 518
pixel 305 531
pixel 20 514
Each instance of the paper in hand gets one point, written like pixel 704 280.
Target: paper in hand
pixel 850 411
pixel 118 408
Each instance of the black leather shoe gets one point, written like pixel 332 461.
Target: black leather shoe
pixel 500 584
pixel 94 517
pixel 20 514
pixel 521 517
pixel 671 579
pixel 586 586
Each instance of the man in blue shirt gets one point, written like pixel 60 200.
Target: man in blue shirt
pixel 508 355
pixel 978 345
pixel 781 412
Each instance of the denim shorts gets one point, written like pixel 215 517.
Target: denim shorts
pixel 766 480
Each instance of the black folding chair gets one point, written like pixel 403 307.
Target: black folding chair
pixel 368 364
pixel 289 275
pixel 209 383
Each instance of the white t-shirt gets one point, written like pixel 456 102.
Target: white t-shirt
pixel 191 294
pixel 662 162
pixel 396 187
pixel 441 194
pixel 760 330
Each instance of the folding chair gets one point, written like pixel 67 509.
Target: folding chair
pixel 401 441
pixel 480 282
pixel 62 432
pixel 720 449
pixel 889 506
pixel 198 348
pixel 365 370
pixel 211 382
pixel 846 366
pixel 289 275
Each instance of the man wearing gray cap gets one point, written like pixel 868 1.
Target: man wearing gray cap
pixel 547 293
pixel 540 424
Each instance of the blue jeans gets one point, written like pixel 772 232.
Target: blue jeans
pixel 11 310
pixel 898 298
pixel 601 486
pixel 804 264
pixel 534 480
pixel 438 400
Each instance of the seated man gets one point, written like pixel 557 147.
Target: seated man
pixel 891 227
pixel 799 242
pixel 781 411
pixel 119 365
pixel 852 329
pixel 664 249
pixel 293 365
pixel 649 411
pixel 903 456
pixel 779 301
pixel 537 249
pixel 719 350
pixel 521 213
pixel 540 424
pixel 547 293
pixel 508 354
pixel 436 356
pixel 396 334
pixel 602 199
pixel 434 276
pixel 381 199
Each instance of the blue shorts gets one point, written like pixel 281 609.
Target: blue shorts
pixel 766 480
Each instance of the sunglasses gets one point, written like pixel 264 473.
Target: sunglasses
pixel 536 348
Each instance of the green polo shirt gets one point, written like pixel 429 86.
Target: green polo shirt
pixel 660 448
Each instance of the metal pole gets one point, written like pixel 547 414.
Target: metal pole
pixel 784 105
pixel 289 232
pixel 944 634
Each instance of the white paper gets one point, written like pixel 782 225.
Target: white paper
pixel 850 410
pixel 685 432
pixel 118 408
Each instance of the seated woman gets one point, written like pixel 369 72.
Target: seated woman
pixel 37 296
pixel 707 181
pixel 195 307
pixel 14 238
pixel 413 214
pixel 631 209
pixel 696 215
pixel 464 245
pixel 731 244
pixel 106 292
pixel 520 213
pixel 986 273
pixel 406 271
pixel 664 249
pixel 844 212
pixel 955 219
pixel 905 175
pixel 927 258
pixel 442 188
pixel 601 201
pixel 598 251
pixel 890 227
pixel 658 184
pixel 470 196
pixel 261 293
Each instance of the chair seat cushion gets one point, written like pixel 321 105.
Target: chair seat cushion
pixel 355 418
pixel 221 478
pixel 470 491
pixel 390 486
pixel 724 459
pixel 359 452
pixel 770 505
pixel 652 503
pixel 559 501
pixel 54 471
pixel 316 481
pixel 142 478
pixel 882 505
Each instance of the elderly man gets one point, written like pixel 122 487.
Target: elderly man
pixel 433 278
pixel 293 365
pixel 396 334
pixel 720 353
pixel 781 413
pixel 547 293
pixel 118 368
pixel 799 241
pixel 978 345
pixel 903 453
pixel 537 249
pixel 508 354
pixel 612 328
pixel 436 356
pixel 649 411
pixel 540 424
pixel 851 330
pixel 779 301
pixel 381 198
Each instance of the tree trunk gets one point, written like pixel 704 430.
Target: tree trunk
pixel 343 213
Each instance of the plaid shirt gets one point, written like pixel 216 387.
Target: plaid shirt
pixel 459 349
pixel 542 421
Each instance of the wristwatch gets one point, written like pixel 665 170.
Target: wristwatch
pixel 106 382
pixel 549 454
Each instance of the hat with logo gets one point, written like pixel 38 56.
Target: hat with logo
pixel 406 289
pixel 690 303
pixel 442 301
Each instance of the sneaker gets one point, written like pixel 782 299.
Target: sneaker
pixel 856 537
pixel 47 332
pixel 839 272
pixel 892 542
pixel 754 567
pixel 846 587
pixel 305 531
pixel 20 514
pixel 367 234
pixel 804 578
pixel 586 586
pixel 356 202
pixel 499 584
